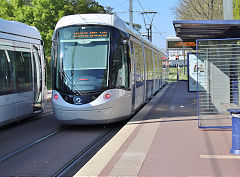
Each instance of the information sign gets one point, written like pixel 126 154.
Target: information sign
pixel 196 73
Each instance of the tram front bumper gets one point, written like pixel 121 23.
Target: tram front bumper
pixel 83 116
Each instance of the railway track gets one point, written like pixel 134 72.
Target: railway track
pixel 28 146
pixel 73 165
pixel 97 136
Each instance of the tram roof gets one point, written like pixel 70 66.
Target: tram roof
pixel 18 28
pixel 99 19
pixel 207 29
pixel 92 19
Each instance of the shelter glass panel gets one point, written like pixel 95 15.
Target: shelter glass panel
pixel 218 72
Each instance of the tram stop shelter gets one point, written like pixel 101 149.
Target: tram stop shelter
pixel 217 69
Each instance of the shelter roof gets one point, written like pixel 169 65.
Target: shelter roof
pixel 207 29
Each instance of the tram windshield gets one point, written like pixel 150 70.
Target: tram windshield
pixel 82 58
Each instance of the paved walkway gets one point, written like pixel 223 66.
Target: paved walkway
pixel 163 139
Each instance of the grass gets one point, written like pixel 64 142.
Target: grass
pixel 173 74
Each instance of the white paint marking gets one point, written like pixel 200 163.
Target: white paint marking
pixel 220 157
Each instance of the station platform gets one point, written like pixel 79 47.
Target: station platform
pixel 163 139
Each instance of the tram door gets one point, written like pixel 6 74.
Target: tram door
pixel 133 76
pixel 24 84
pixel 37 80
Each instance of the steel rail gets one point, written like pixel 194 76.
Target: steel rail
pixel 45 113
pixel 11 154
pixel 90 148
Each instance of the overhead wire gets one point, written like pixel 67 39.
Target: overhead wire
pixel 150 19
pixel 121 4
pixel 127 12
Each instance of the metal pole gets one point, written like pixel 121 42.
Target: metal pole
pixel 150 32
pixel 150 25
pixel 227 9
pixel 131 13
pixel 177 58
pixel 184 55
pixel 177 70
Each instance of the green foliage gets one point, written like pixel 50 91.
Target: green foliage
pixel 236 9
pixel 44 14
pixel 136 26
pixel 173 74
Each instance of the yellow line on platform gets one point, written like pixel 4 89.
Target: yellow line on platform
pixel 219 157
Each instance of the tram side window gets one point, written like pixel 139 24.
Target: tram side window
pixel 120 62
pixel 156 65
pixel 139 65
pixel 147 62
pixel 125 61
pixel 6 73
pixel 160 65
pixel 151 71
pixel 23 71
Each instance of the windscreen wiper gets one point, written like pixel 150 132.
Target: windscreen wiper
pixel 69 80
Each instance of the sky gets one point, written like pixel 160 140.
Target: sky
pixel 162 22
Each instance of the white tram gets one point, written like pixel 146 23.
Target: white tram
pixel 22 71
pixel 103 70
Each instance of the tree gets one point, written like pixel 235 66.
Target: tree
pixel 199 10
pixel 109 10
pixel 136 26
pixel 236 9
pixel 203 9
pixel 44 14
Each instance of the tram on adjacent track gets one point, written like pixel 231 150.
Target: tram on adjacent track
pixel 22 72
pixel 103 71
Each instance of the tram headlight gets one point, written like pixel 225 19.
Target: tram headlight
pixel 107 96
pixel 55 96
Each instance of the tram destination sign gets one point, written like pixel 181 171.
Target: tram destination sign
pixel 90 34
